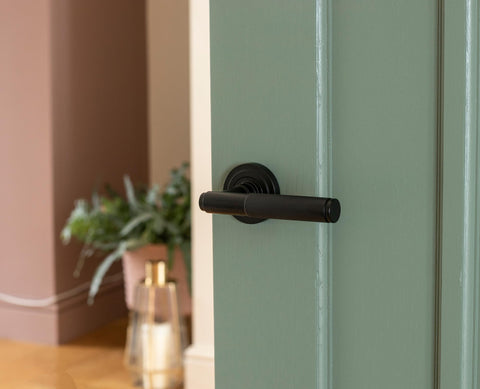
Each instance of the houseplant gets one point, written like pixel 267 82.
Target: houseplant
pixel 113 225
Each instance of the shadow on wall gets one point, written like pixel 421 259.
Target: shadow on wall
pixel 99 121
pixel 99 105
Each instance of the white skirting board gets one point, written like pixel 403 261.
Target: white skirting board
pixel 200 367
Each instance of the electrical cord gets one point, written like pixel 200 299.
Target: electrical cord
pixel 48 301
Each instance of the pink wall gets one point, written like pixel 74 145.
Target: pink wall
pixel 75 117
pixel 168 86
pixel 26 170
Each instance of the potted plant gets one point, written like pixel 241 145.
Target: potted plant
pixel 144 224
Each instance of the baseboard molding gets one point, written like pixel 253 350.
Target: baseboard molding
pixel 200 367
pixel 63 322
pixel 78 318
pixel 27 324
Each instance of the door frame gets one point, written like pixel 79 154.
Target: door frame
pixel 199 357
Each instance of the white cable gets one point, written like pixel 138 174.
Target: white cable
pixel 47 301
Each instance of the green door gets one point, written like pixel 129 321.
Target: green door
pixel 363 101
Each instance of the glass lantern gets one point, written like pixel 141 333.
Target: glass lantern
pixel 155 336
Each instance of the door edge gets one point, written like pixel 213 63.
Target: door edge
pixel 460 316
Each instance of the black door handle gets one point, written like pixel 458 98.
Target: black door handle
pixel 252 194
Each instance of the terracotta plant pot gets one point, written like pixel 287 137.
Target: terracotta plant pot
pixel 134 272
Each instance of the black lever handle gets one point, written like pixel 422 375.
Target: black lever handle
pixel 267 206
pixel 252 194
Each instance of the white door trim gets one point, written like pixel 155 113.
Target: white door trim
pixel 199 359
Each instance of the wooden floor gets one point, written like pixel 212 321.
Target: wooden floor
pixel 94 361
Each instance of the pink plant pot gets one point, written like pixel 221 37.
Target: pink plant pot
pixel 134 272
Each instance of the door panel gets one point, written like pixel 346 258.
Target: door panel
pixel 273 299
pixel 264 110
pixel 384 172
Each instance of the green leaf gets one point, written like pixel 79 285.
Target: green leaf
pixel 159 224
pixel 130 191
pixel 66 234
pixel 152 195
pixel 172 228
pixel 96 201
pixel 106 246
pixel 86 252
pixel 136 221
pixel 102 270
pixel 115 223
pixel 133 244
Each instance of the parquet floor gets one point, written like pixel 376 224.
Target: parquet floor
pixel 94 361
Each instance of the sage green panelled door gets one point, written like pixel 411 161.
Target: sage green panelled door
pixel 338 98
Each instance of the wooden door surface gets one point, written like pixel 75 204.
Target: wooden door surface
pixel 348 99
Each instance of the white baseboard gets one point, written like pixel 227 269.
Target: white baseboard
pixel 200 367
